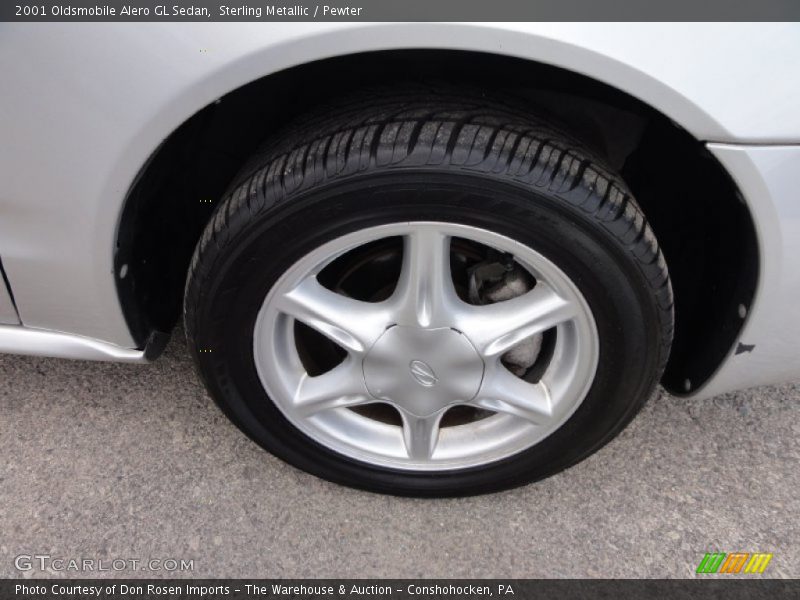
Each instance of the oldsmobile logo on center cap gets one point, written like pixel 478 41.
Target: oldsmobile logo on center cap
pixel 423 373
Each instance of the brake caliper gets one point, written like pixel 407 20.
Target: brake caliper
pixel 499 278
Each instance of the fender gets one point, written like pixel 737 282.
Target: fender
pixel 100 100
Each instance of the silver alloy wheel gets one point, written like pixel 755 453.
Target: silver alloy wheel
pixel 424 350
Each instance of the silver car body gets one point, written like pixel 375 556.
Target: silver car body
pixel 84 106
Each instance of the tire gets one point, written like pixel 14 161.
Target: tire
pixel 394 159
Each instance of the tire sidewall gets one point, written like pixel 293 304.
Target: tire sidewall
pixel 264 247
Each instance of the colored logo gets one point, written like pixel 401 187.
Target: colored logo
pixel 423 373
pixel 735 562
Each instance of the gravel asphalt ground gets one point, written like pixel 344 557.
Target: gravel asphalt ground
pixel 111 461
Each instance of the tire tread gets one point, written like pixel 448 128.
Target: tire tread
pixel 426 128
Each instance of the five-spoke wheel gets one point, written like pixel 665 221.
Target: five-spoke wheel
pixel 424 350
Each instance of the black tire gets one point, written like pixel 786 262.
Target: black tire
pixel 415 155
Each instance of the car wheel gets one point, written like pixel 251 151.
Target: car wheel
pixel 428 295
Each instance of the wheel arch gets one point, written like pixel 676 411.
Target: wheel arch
pixel 175 192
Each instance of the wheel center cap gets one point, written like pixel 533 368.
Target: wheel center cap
pixel 423 370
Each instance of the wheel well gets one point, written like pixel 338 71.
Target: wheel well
pixel 702 223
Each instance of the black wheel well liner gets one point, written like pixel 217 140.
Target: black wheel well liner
pixel 701 221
